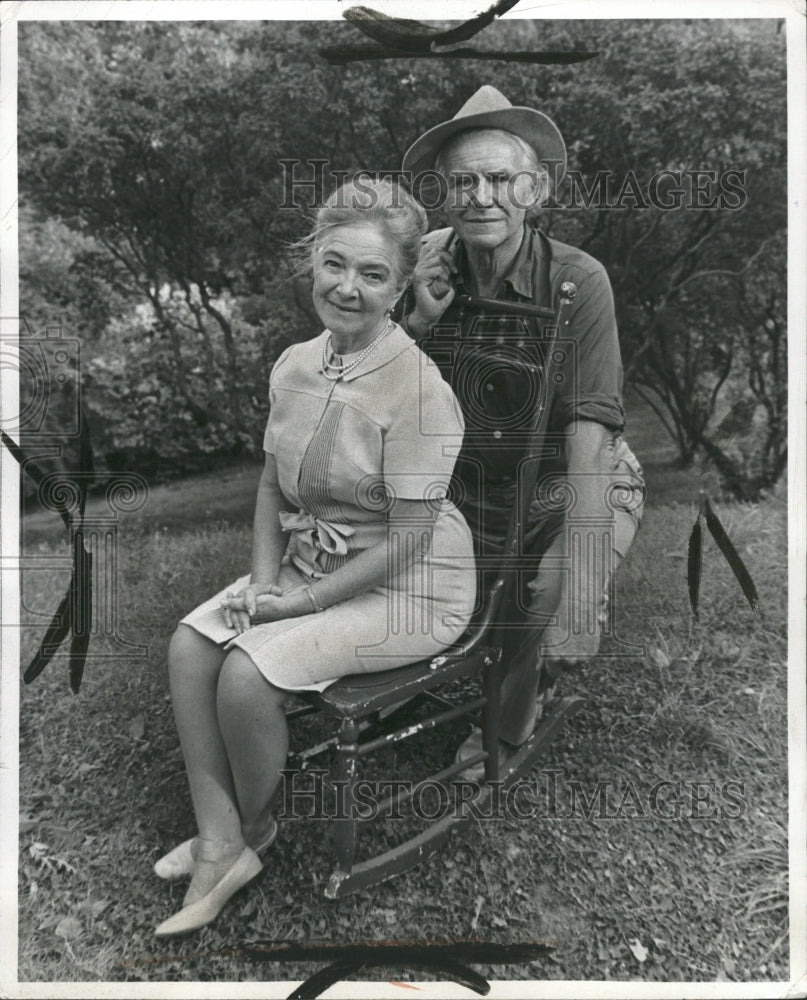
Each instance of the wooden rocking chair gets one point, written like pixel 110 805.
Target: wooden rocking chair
pixel 372 709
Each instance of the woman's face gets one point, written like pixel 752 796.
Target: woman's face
pixel 355 281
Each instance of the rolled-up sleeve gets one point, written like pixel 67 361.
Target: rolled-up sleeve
pixel 591 384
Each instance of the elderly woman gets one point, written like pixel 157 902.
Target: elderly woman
pixel 359 563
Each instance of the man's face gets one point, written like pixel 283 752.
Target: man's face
pixel 490 187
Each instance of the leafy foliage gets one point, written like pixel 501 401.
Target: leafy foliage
pixel 689 98
pixel 159 397
pixel 161 166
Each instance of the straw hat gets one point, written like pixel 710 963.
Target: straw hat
pixel 489 108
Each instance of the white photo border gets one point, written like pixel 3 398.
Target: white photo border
pixel 281 10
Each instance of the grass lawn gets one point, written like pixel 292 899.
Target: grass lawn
pixel 631 878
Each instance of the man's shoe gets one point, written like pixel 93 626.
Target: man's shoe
pixel 473 746
pixel 544 699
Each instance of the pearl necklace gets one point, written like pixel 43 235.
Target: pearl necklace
pixel 334 372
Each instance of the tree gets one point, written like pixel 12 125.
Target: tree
pixel 687 99
pixel 167 152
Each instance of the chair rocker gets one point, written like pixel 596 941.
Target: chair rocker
pixel 374 711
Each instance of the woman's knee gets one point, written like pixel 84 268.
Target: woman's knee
pixel 241 684
pixel 190 654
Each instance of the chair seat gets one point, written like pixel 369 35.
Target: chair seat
pixel 358 695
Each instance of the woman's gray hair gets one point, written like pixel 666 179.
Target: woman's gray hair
pixel 531 162
pixel 381 201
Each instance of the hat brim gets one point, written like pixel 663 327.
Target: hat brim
pixel 534 127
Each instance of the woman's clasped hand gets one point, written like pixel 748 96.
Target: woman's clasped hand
pixel 252 605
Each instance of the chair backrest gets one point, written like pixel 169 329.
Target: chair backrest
pixel 507 571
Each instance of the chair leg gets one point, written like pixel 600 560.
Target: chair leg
pixel 491 689
pixel 347 772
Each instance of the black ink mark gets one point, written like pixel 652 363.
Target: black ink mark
pixel 731 555
pixel 403 38
pixel 695 564
pixel 447 959
pixel 74 614
pixel 340 55
pixel 413 36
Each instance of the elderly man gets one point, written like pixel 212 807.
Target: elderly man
pixel 498 163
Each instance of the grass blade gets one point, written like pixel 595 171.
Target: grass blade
pixel 725 545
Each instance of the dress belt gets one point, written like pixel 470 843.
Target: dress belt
pixel 330 535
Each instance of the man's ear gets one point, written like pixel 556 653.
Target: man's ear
pixel 541 181
pixel 529 190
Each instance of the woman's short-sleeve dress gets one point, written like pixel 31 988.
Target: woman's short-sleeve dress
pixel 390 427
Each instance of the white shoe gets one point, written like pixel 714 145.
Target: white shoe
pixel 190 918
pixel 181 862
pixel 178 862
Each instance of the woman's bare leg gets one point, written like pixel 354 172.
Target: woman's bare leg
pixel 194 667
pixel 256 735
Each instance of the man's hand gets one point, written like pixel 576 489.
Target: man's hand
pixel 433 288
